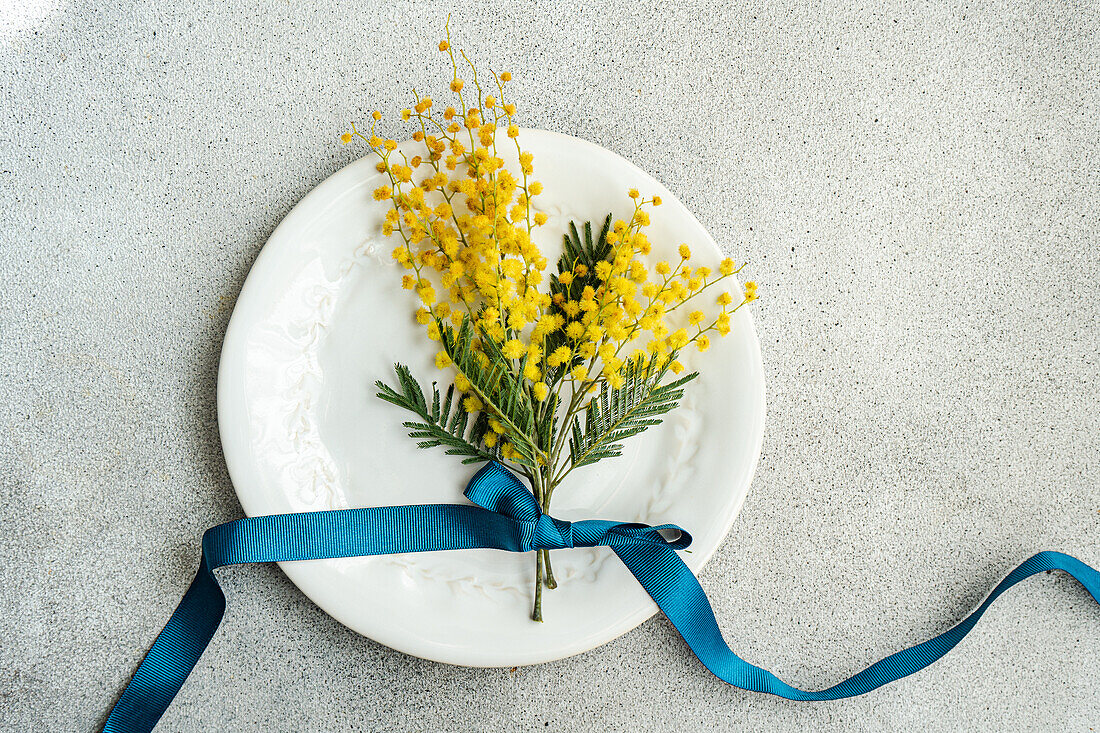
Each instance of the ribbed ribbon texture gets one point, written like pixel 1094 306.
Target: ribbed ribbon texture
pixel 506 518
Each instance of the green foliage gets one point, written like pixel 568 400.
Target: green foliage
pixel 594 431
pixel 617 414
pixel 504 393
pixel 588 251
pixel 443 423
pixel 546 423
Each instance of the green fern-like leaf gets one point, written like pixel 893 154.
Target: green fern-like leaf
pixel 577 249
pixel 589 251
pixel 617 414
pixel 443 423
pixel 504 394
pixel 548 422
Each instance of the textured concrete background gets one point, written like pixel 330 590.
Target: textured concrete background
pixel 915 187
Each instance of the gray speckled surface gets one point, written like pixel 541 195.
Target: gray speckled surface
pixel 917 191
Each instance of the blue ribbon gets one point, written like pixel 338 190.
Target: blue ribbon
pixel 507 518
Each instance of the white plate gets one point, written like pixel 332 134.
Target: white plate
pixel 322 316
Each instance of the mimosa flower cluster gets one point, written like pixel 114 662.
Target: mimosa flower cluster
pixel 531 350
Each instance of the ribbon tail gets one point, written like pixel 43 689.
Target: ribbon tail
pixel 434 527
pixel 172 657
pixel 678 594
pixel 291 537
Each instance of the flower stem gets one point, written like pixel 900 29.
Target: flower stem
pixel 550 582
pixel 547 492
pixel 544 572
pixel 536 612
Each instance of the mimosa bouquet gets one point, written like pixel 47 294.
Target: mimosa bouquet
pixel 551 371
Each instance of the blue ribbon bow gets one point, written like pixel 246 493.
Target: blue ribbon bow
pixel 498 490
pixel 507 518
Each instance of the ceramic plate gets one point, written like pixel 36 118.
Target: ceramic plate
pixel 322 316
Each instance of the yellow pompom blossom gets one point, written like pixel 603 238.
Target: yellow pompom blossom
pixel 462 205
